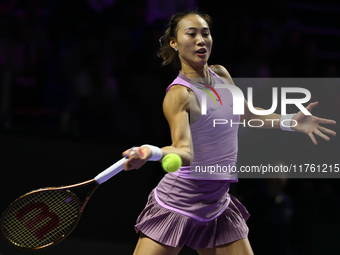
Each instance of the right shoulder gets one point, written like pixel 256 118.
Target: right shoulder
pixel 177 97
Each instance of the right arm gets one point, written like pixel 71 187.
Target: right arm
pixel 176 108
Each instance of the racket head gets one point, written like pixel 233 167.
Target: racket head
pixel 41 218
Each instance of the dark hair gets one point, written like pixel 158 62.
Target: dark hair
pixel 168 54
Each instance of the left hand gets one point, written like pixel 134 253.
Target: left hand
pixel 309 124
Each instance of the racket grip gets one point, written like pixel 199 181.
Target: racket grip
pixel 110 171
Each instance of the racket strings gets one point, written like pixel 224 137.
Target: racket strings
pixel 40 218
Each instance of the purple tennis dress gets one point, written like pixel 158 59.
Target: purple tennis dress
pixel 192 206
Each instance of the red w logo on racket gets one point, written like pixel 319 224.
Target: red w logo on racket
pixel 44 213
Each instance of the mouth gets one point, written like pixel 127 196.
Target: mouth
pixel 201 52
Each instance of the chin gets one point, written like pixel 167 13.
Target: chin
pixel 198 62
pixel 201 62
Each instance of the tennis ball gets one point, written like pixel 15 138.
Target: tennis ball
pixel 171 162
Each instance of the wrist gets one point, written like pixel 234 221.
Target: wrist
pixel 156 152
pixel 287 122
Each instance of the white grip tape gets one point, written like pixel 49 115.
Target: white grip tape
pixel 111 171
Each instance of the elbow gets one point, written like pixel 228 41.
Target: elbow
pixel 185 152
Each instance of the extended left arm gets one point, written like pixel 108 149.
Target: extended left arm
pixel 307 124
pixel 267 121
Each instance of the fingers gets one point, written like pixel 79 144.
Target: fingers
pixel 326 130
pixel 311 106
pixel 135 158
pixel 327 121
pixel 317 132
pixel 132 151
pixel 126 153
pixel 313 138
pixel 320 132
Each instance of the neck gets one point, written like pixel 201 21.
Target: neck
pixel 192 72
pixel 200 76
pixel 202 71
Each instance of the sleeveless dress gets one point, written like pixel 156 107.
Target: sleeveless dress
pixel 192 206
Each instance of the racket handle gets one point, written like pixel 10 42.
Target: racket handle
pixel 110 171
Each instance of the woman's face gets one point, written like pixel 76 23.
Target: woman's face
pixel 193 41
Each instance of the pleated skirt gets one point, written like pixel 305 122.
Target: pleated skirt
pixel 175 229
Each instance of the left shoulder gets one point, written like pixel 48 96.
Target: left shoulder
pixel 222 72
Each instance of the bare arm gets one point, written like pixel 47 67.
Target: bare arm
pixel 307 124
pixel 176 107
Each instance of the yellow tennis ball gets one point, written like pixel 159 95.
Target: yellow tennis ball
pixel 171 162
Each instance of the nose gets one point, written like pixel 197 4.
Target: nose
pixel 200 40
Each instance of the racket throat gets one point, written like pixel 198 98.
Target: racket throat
pixel 88 196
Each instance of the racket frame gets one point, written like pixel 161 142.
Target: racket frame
pixel 66 189
pixel 98 180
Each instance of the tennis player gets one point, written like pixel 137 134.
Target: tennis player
pixel 191 207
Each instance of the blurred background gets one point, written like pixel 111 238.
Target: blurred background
pixel 80 82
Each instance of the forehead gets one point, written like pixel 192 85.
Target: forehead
pixel 192 20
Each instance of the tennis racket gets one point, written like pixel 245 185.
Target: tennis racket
pixel 46 216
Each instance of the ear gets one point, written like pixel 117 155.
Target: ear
pixel 173 43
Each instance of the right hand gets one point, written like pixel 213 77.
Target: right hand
pixel 137 157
